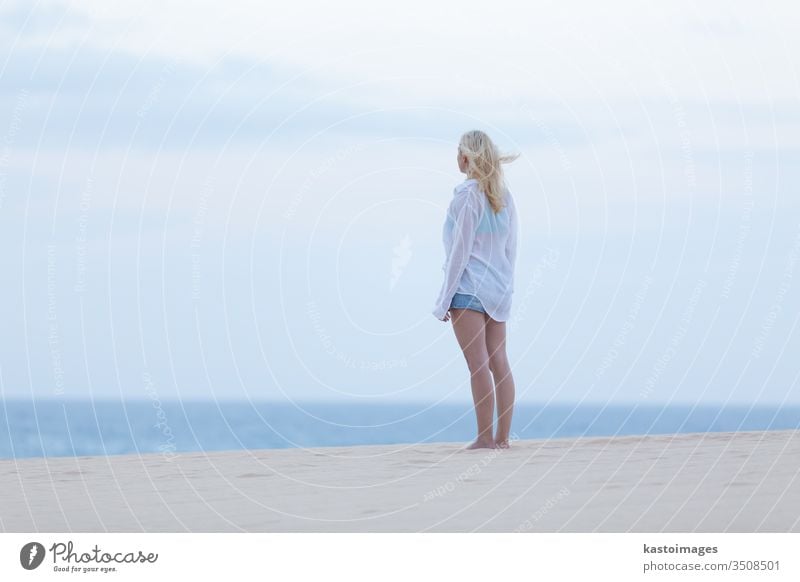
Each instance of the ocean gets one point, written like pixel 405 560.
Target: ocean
pixel 53 428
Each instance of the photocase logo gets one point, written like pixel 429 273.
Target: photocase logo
pixel 31 555
pixel 400 259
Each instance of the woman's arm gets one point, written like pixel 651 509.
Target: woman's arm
pixel 467 215
pixel 513 233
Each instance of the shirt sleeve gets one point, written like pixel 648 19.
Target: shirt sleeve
pixel 513 234
pixel 466 213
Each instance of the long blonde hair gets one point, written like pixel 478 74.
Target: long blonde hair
pixel 484 163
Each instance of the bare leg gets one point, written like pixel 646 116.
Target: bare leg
pixel 469 327
pixel 503 379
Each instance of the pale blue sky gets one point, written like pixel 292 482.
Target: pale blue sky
pixel 247 203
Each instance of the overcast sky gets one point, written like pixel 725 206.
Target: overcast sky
pixel 245 201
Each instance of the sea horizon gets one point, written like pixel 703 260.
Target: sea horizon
pixel 73 427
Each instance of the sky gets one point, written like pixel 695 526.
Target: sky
pixel 245 201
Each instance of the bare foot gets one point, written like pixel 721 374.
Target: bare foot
pixel 502 444
pixel 481 444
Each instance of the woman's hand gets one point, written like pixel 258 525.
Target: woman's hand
pixel 446 316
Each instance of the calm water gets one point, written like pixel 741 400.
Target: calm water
pixel 53 428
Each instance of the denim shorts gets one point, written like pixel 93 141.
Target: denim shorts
pixel 464 301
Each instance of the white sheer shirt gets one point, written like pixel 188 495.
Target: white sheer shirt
pixel 480 251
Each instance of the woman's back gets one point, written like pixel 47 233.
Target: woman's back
pixel 480 248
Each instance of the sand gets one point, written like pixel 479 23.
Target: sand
pixel 701 482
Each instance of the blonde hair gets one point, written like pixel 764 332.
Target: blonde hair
pixel 484 163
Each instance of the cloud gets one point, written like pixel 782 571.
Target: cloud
pixel 40 20
pixel 84 97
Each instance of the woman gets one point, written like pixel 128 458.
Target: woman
pixel 480 241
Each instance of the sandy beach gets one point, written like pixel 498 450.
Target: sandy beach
pixel 702 482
